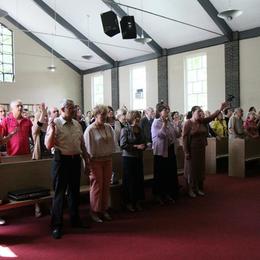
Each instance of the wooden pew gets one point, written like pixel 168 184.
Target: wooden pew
pixel 216 148
pixel 31 173
pixel 241 151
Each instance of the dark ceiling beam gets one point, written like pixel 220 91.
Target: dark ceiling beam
pixel 251 33
pixel 44 45
pixel 120 12
pixel 198 45
pixel 73 30
pixel 97 69
pixel 138 59
pixel 213 13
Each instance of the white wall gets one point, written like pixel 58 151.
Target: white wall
pixel 33 82
pixel 250 73
pixel 88 89
pixel 151 83
pixel 215 77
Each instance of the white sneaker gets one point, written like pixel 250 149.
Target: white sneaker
pixel 96 218
pixel 107 216
pixel 2 221
pixel 201 193
pixel 192 194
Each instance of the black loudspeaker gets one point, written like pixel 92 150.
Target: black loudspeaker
pixel 128 28
pixel 110 23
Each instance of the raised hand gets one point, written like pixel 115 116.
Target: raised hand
pixel 224 106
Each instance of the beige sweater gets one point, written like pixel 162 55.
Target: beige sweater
pixel 99 142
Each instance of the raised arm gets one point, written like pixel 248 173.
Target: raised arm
pixel 223 106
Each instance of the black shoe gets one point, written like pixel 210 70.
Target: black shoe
pixel 56 233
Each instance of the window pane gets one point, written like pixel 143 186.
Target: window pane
pixel 7 49
pixel 196 81
pixel 202 74
pixel 197 87
pixel 98 90
pixel 197 62
pixel 189 64
pixel 190 88
pixel 7 39
pixel 7 58
pixel 6 54
pixel 192 76
pixel 202 101
pixel 138 86
pixel 8 68
pixel 8 77
pixel 192 100
pixel 1 77
pixel 6 31
pixel 204 61
pixel 204 86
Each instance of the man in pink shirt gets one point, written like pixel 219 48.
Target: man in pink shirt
pixel 19 143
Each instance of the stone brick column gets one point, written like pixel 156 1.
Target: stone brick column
pixel 232 70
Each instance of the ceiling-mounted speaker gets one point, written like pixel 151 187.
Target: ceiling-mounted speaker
pixel 128 27
pixel 110 23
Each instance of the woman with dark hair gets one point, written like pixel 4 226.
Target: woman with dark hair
pixel 194 143
pixel 252 109
pixel 132 142
pixel 165 166
pixel 111 117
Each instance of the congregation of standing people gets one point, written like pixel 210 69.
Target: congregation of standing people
pixel 74 140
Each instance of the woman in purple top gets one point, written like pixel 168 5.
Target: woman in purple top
pixel 164 136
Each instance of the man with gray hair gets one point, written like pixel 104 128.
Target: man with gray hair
pixel 66 136
pixel 20 127
pixel 235 125
pixel 146 124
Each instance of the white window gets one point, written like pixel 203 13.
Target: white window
pixel 97 90
pixel 138 88
pixel 6 55
pixel 196 81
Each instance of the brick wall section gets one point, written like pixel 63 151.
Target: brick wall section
pixel 232 71
pixel 115 87
pixel 163 79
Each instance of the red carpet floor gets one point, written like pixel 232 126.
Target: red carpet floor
pixel 223 225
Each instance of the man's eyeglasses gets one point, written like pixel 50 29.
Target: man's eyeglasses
pixel 55 111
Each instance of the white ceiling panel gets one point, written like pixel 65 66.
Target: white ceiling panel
pixel 250 17
pixel 170 33
pixel 85 16
pixel 44 27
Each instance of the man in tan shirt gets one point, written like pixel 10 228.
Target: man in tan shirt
pixel 65 135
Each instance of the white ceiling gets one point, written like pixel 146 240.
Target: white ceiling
pixel 84 15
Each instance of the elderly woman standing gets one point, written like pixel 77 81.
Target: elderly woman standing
pixel 119 124
pixel 133 143
pixel 165 166
pixel 99 140
pixel 194 143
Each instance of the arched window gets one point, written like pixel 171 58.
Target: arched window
pixel 6 55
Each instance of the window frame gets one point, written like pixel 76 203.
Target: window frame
pixel 186 91
pixel 12 54
pixel 132 87
pixel 93 89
